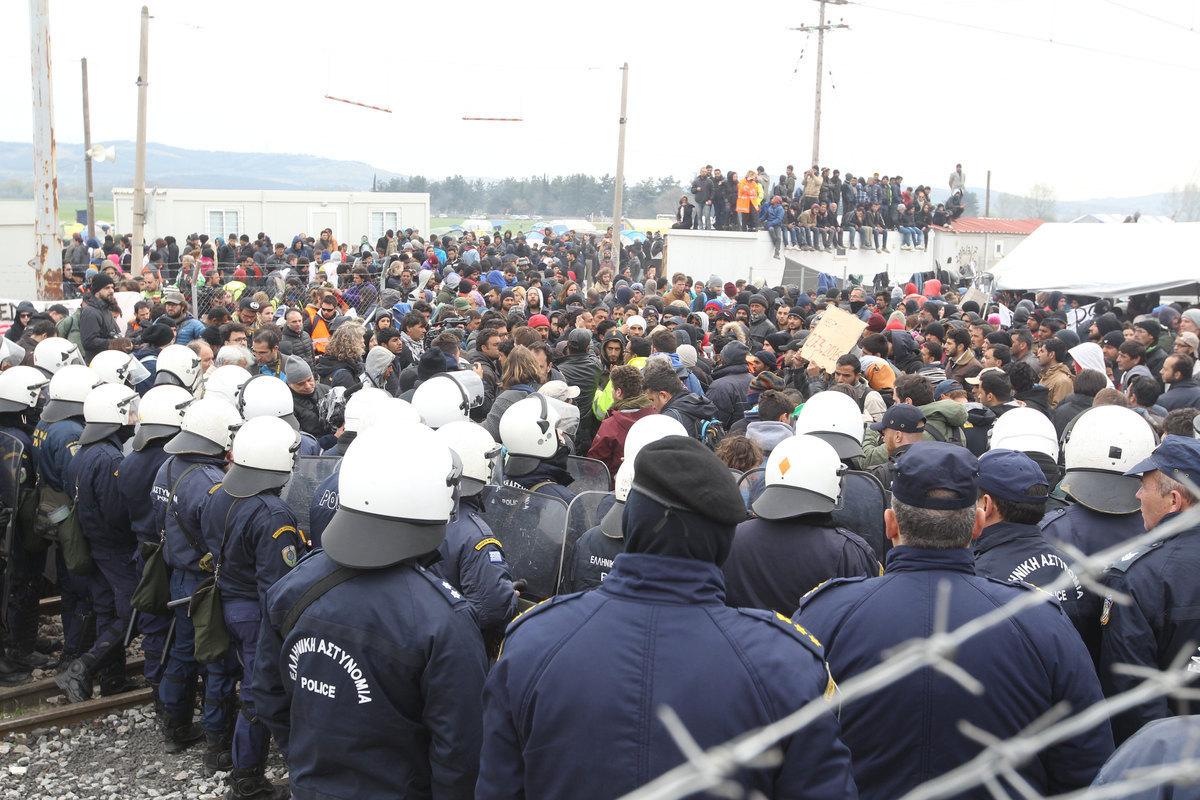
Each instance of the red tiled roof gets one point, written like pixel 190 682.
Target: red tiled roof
pixel 986 225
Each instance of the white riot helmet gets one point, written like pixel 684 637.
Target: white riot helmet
pixel 267 396
pixel 160 414
pixel 529 434
pixel 264 455
pixel 388 418
pixel 117 366
pixel 358 405
pixel 106 410
pixel 1025 430
pixel 448 397
pixel 1100 446
pixel 53 353
pixel 21 388
pixel 641 433
pixel 477 451
pixel 225 381
pixel 387 516
pixel 803 476
pixel 69 387
pixel 207 428
pixel 835 418
pixel 178 365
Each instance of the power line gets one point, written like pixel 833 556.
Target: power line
pixel 1163 20
pixel 1029 38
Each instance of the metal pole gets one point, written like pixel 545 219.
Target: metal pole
pixel 817 98
pixel 987 196
pixel 87 155
pixel 47 259
pixel 620 185
pixel 139 164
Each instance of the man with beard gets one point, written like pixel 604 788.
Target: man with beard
pixel 97 320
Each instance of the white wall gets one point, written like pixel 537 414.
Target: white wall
pixel 280 214
pixel 17 248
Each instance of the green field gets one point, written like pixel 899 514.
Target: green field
pixel 66 210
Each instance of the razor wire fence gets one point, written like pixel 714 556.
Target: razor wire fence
pixel 997 764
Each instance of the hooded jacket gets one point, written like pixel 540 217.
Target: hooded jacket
pixel 691 410
pixel 906 353
pixel 17 329
pixel 728 391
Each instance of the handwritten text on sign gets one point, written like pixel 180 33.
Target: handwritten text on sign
pixel 835 335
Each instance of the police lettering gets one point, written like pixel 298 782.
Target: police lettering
pixel 600 561
pixel 311 644
pixel 325 689
pixel 1032 564
pixel 329 499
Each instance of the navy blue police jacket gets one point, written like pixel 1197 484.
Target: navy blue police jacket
pixel 54 445
pixel 185 542
pixel 324 503
pixel 1161 743
pixel 103 515
pixel 1088 530
pixel 591 560
pixel 261 542
pixel 907 734
pixel 546 479
pixel 570 708
pixel 473 562
pixel 376 691
pixel 773 563
pixel 25 472
pixel 136 483
pixel 1163 619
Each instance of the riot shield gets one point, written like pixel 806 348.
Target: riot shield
pixel 12 453
pixel 861 508
pixel 298 491
pixel 590 475
pixel 751 484
pixel 530 526
pixel 584 513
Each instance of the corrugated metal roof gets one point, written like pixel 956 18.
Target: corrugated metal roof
pixel 987 225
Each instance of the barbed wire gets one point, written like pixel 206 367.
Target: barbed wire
pixel 712 770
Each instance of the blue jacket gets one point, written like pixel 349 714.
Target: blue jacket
pixel 1088 530
pixel 376 691
pixel 189 329
pixel 324 503
pixel 261 542
pixel 1162 743
pixel 907 734
pixel 473 562
pixel 185 542
pixel 1182 394
pixel 54 445
pixel 1153 630
pixel 103 514
pixel 771 214
pixel 548 480
pixel 570 707
pixel 773 563
pixel 136 484
pixel 690 381
pixel 590 561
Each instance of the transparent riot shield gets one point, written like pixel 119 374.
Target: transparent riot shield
pixel 584 513
pixel 590 475
pixel 530 526
pixel 861 508
pixel 12 453
pixel 751 484
pixel 299 490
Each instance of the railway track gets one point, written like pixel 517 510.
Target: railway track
pixel 23 708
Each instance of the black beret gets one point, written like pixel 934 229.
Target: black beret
pixel 706 488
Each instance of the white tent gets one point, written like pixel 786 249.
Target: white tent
pixel 1103 260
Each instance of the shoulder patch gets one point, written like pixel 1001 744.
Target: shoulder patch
pixel 796 631
pixel 1050 517
pixel 487 541
pixel 289 556
pixel 826 584
pixel 285 529
pixel 444 587
pixel 540 607
pixel 214 488
pixel 1126 561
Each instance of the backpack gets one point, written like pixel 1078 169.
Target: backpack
pixel 710 432
pixel 955 435
pixel 328 379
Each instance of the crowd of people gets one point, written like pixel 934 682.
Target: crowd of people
pixel 721 577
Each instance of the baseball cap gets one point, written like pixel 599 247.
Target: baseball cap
pixel 947 385
pixel 248 304
pixel 978 378
pixel 172 295
pixel 926 467
pixel 1177 456
pixel 901 417
pixel 1011 475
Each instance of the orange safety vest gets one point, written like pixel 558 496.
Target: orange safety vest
pixel 320 330
pixel 747 193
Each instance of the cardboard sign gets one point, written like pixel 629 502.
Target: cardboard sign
pixel 979 297
pixel 835 335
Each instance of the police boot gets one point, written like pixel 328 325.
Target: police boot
pixel 76 679
pixel 251 784
pixel 47 645
pixel 113 679
pixel 28 659
pixel 11 673
pixel 218 753
pixel 179 735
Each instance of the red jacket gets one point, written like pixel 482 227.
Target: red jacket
pixel 609 444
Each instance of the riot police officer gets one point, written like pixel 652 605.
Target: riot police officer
pixel 836 418
pixel 371 668
pixel 178 365
pixel 182 488
pixel 110 412
pixel 255 541
pixel 266 396
pixel 537 450
pixel 53 353
pixel 55 443
pixel 793 544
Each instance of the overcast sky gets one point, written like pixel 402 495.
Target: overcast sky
pixel 911 88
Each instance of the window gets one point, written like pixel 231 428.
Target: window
pixel 224 222
pixel 999 249
pixel 381 222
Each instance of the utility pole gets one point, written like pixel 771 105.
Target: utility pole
pixel 618 189
pixel 987 197
pixel 47 259
pixel 139 161
pixel 820 28
pixel 87 156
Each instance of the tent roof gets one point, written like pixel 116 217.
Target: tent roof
pixel 1102 260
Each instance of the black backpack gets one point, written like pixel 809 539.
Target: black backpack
pixel 711 432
